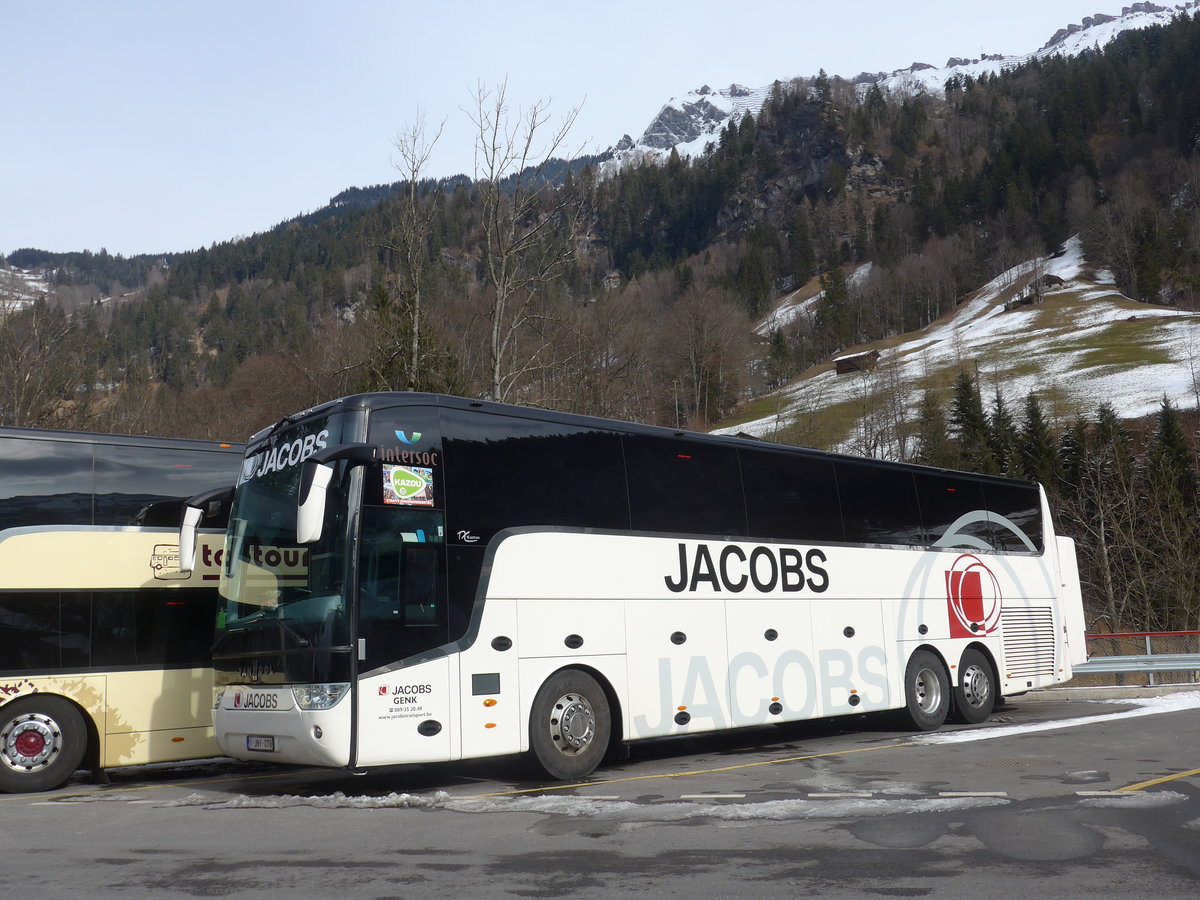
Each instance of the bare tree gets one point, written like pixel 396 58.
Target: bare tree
pixel 399 303
pixel 707 356
pixel 45 367
pixel 530 228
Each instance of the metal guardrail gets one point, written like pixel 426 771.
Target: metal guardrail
pixel 1148 662
pixel 1155 662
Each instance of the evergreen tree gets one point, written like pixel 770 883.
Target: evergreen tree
pixel 779 360
pixel 970 426
pixel 1038 459
pixel 753 282
pixel 1171 531
pixel 934 447
pixel 1002 438
pixel 800 248
pixel 833 315
pixel 1170 461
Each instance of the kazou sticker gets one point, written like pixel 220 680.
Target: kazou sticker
pixel 407 485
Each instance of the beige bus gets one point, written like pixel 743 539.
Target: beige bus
pixel 104 644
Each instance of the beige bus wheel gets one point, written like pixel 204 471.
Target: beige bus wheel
pixel 42 741
pixel 569 725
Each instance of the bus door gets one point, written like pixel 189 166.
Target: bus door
pixel 407 683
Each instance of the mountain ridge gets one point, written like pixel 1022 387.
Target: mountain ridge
pixel 689 124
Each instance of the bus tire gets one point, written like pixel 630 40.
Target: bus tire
pixel 926 691
pixel 570 725
pixel 42 742
pixel 975 694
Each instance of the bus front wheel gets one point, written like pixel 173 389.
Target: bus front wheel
pixel 42 741
pixel 975 696
pixel 570 725
pixel 926 691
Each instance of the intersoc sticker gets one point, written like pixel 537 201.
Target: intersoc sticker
pixel 407 485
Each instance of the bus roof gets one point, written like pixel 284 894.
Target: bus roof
pixel 380 400
pixel 127 440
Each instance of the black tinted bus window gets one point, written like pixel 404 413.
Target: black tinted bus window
pixel 114 629
pixel 174 628
pixel 45 483
pixel 790 496
pixel 75 629
pixel 401 584
pixel 682 487
pixel 128 479
pixel 953 512
pixel 1015 511
pixel 507 472
pixel 879 504
pixel 29 634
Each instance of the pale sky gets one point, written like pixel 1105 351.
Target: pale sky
pixel 150 126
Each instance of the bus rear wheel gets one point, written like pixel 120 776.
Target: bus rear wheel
pixel 975 695
pixel 926 691
pixel 570 725
pixel 42 741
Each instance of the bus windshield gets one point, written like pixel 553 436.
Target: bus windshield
pixel 269 580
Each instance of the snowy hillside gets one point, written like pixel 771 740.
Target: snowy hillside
pixel 693 121
pixel 1083 344
pixel 19 288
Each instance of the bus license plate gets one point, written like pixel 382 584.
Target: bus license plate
pixel 260 742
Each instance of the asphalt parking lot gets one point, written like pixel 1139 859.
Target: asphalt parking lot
pixel 1059 794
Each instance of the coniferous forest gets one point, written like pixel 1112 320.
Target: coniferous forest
pixel 632 292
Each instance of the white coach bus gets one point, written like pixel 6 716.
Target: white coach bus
pixel 104 643
pixel 414 578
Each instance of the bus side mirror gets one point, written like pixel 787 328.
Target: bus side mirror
pixel 195 508
pixel 310 512
pixel 187 539
pixel 314 486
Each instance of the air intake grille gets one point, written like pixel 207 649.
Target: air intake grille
pixel 1028 641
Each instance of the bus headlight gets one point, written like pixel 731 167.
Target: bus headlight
pixel 319 696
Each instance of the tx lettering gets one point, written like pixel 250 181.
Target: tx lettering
pixel 764 568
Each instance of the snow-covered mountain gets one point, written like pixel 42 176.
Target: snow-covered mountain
pixel 691 122
pixel 1052 326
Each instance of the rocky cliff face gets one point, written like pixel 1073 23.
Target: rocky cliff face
pixel 685 122
pixel 810 155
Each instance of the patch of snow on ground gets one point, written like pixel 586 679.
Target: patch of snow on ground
pixel 20 288
pixel 1070 263
pixel 336 800
pixel 1136 800
pixel 788 311
pixel 1151 706
pixel 768 810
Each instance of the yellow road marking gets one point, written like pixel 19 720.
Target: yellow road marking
pixel 765 762
pixel 1145 784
